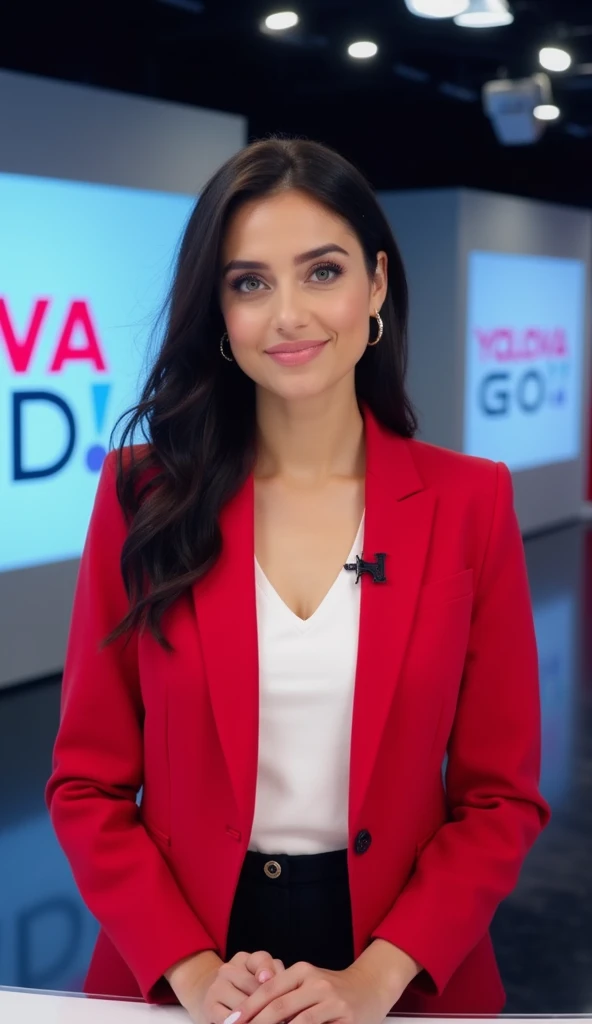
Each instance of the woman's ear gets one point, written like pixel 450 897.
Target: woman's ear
pixel 380 282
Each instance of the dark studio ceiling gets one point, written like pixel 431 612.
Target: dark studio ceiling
pixel 410 117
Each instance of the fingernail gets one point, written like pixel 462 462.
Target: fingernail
pixel 264 976
pixel 233 1018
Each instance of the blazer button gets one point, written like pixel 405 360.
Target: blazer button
pixel 363 841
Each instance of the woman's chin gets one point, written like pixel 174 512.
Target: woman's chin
pixel 306 386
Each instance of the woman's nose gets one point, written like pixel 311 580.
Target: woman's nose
pixel 290 309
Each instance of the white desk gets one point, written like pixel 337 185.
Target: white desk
pixel 18 1007
pixel 21 1007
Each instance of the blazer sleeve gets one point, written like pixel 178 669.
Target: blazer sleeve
pixel 472 863
pixel 98 771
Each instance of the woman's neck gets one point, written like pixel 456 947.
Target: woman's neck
pixel 310 441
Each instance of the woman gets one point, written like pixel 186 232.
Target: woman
pixel 284 704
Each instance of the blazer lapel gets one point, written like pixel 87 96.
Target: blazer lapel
pixel 398 521
pixel 225 605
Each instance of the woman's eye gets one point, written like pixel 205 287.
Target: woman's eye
pixel 327 272
pixel 248 281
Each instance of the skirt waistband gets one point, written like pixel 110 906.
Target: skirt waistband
pixel 284 869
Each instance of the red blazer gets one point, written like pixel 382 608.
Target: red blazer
pixel 447 664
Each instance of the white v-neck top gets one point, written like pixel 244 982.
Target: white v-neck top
pixel 307 673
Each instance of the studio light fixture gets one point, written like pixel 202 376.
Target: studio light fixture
pixel 281 21
pixel 554 58
pixel 485 14
pixel 546 112
pixel 362 50
pixel 511 106
pixel 437 8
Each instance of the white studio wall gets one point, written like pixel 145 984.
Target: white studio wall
pixel 95 190
pixel 500 336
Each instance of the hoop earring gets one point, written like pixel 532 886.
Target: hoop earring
pixel 224 338
pixel 378 319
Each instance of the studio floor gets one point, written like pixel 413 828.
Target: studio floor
pixel 542 933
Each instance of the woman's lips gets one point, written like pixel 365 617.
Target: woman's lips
pixel 296 353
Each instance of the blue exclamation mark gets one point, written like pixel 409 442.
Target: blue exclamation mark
pixel 99 398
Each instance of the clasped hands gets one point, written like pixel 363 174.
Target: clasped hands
pixel 256 989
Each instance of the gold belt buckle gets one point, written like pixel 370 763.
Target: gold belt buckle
pixel 272 869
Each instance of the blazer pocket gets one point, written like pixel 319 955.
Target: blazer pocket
pixel 160 838
pixel 450 588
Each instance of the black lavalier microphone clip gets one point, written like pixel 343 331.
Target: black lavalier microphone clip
pixel 375 569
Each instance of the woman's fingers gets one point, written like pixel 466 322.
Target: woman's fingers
pixel 241 979
pixel 218 1013
pixel 228 993
pixel 283 991
pixel 262 966
pixel 235 982
pixel 231 993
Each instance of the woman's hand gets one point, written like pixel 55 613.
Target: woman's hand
pixel 218 991
pixel 304 994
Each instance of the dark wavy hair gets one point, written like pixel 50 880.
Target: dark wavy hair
pixel 197 411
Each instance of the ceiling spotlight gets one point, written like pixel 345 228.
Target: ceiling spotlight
pixel 554 59
pixel 546 112
pixel 437 8
pixel 485 14
pixel 280 21
pixel 362 50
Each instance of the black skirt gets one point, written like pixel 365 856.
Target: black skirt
pixel 294 907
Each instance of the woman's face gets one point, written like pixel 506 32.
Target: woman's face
pixel 295 294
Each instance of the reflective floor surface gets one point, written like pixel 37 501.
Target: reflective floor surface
pixel 543 933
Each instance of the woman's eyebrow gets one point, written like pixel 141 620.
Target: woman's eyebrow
pixel 304 257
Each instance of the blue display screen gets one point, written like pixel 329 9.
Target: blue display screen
pixel 84 270
pixel 523 369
